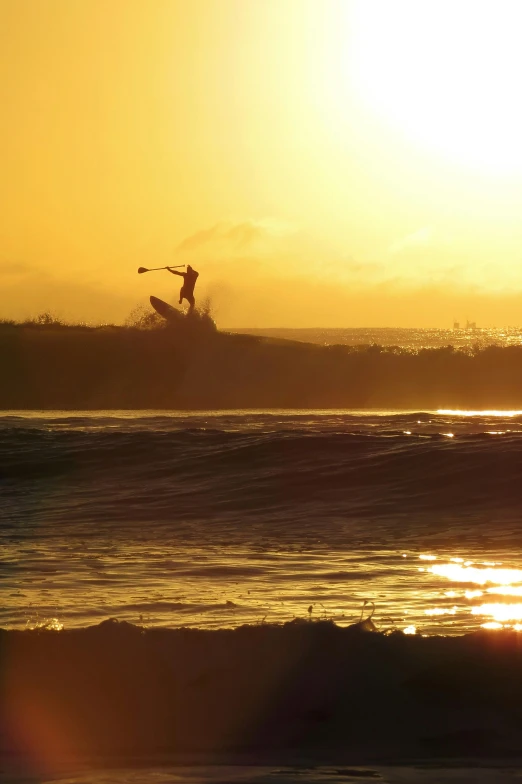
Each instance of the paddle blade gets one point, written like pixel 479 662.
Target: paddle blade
pixel 142 269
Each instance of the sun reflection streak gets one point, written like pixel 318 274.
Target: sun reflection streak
pixel 441 611
pixel 473 594
pixel 471 574
pixel 494 582
pixel 500 612
pixel 506 590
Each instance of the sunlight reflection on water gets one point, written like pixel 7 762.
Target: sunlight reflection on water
pixel 505 582
pixel 216 589
pixel 472 574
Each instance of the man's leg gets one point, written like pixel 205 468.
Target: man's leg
pixel 190 299
pixel 181 294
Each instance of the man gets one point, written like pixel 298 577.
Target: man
pixel 187 289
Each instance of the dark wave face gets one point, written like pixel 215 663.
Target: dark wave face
pixel 166 470
pixel 144 494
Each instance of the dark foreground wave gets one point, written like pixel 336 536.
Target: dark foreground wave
pixel 73 473
pixel 117 691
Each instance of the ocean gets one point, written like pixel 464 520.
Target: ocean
pixel 181 591
pixel 212 520
pixel 461 336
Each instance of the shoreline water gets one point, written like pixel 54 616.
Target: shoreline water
pixel 256 770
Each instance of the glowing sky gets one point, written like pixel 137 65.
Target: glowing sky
pixel 320 162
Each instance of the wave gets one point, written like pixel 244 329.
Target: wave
pixel 193 472
pixel 118 691
pixel 94 368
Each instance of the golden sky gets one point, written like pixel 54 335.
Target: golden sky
pixel 320 162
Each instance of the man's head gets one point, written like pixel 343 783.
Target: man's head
pixel 189 268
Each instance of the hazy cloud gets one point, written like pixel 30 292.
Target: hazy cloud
pixel 28 291
pixel 273 250
pixel 235 236
pixel 267 248
pixel 416 239
pixel 15 268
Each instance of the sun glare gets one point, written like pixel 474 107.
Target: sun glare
pixel 445 74
pixel 500 612
pixel 470 574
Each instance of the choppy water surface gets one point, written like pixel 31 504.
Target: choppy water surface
pixel 222 518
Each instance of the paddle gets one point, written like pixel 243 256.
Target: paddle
pixel 144 269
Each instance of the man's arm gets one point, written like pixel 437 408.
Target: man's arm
pixel 175 272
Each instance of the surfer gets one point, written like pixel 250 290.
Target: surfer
pixel 187 289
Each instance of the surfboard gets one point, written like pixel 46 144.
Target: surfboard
pixel 164 309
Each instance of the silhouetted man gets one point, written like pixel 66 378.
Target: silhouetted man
pixel 187 289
